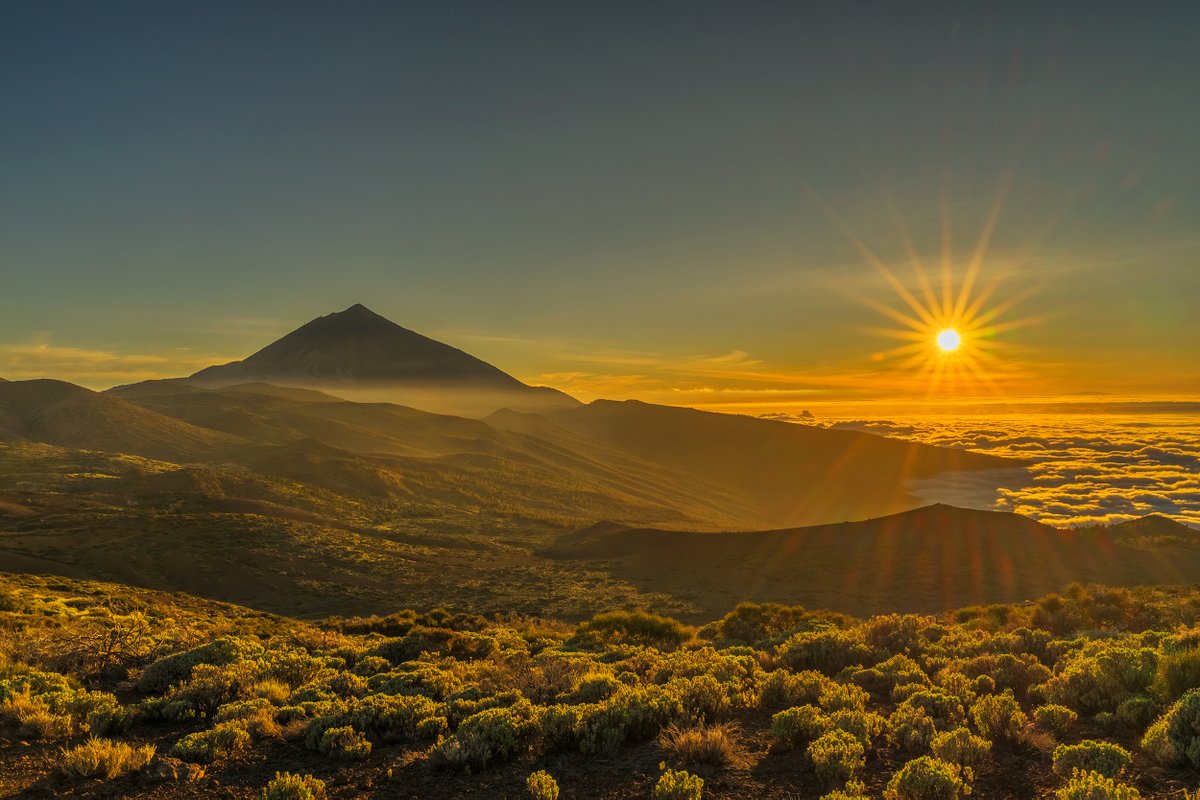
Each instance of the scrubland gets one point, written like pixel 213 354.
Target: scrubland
pixel 111 691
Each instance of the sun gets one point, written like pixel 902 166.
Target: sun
pixel 950 335
pixel 949 340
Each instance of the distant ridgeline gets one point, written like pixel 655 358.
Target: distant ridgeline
pixel 258 482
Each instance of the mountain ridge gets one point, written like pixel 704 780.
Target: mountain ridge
pixel 361 353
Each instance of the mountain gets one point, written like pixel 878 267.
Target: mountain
pixel 360 355
pixel 66 415
pixel 790 474
pixel 922 560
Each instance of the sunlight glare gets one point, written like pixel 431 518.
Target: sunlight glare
pixel 949 340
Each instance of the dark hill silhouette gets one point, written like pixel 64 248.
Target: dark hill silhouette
pixel 926 559
pixel 792 474
pixel 63 414
pixel 361 355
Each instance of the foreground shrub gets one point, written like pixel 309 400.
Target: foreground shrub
pixel 289 786
pixel 636 627
pixel 542 786
pixel 786 688
pixel 836 756
pixel 828 651
pixel 1090 755
pixel 205 747
pixel 1101 678
pixel 927 778
pixel 1178 671
pixel 706 744
pixel 345 743
pixel 102 758
pixel 800 724
pixel 166 672
pixel 1054 718
pixel 1094 786
pixel 851 791
pixel 963 748
pixel 910 728
pixel 1175 737
pixel 495 734
pixel 1138 712
pixel 678 785
pixel 864 725
pixel 998 716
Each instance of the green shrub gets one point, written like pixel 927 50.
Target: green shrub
pixel 102 758
pixel 207 746
pixel 166 672
pixel 754 623
pixel 961 747
pixel 854 790
pixel 1177 672
pixel 864 725
pixel 847 696
pixel 1175 737
pixel 945 710
pixel 702 698
pixel 542 786
pixel 998 716
pixel 345 743
pixel 1090 755
pixel 927 778
pixel 836 756
pixel 636 627
pixel 1094 786
pixel 594 687
pixel 827 651
pixel 1102 677
pixel 1054 718
pixel 910 728
pixel 289 786
pixel 800 724
pixel 883 678
pixel 786 688
pixel 1138 712
pixel 678 785
pixel 496 734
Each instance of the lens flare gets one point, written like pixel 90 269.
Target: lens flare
pixel 953 337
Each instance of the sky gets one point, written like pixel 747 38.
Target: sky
pixel 712 204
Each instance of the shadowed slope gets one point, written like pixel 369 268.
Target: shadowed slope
pixel 63 414
pixel 793 474
pixel 930 558
pixel 365 356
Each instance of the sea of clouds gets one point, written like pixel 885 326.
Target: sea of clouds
pixel 1081 469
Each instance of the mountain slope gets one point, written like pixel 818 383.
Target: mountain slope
pixel 362 355
pixel 792 474
pixel 63 414
pixel 921 560
pixel 376 449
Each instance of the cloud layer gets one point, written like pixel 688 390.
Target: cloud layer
pixel 1083 469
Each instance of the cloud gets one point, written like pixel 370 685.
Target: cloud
pixel 1082 469
pixel 95 368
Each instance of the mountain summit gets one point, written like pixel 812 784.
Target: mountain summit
pixel 361 355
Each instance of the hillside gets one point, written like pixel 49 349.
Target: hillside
pixel 361 355
pixel 792 474
pixel 923 560
pixel 60 413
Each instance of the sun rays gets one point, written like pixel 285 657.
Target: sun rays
pixel 950 328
